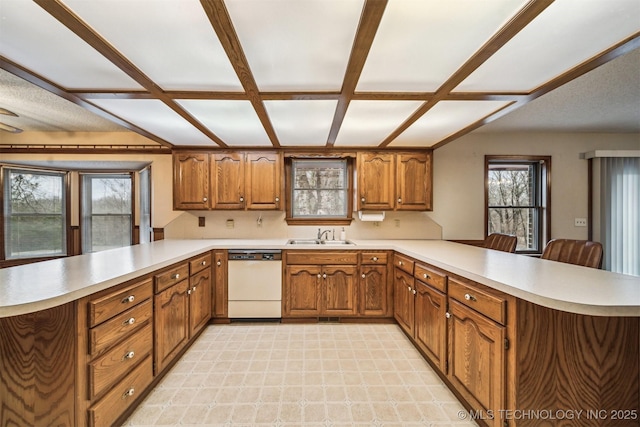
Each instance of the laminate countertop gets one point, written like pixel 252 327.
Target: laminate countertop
pixel 39 286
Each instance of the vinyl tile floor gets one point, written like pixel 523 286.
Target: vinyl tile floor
pixel 326 374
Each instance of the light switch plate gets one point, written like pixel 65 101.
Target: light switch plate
pixel 580 222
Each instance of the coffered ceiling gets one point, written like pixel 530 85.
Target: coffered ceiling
pixel 304 73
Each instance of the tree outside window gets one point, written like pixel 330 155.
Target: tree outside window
pixel 34 214
pixel 517 200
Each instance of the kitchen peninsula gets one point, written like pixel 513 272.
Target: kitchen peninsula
pixel 567 337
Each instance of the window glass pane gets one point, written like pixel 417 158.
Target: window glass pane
pixel 511 185
pixel 111 195
pixel 319 188
pixel 519 222
pixel 35 220
pixel 108 232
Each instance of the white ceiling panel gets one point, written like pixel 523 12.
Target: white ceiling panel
pixel 162 30
pixel 368 123
pixel 235 122
pixel 547 47
pixel 302 122
pixel 296 45
pixel 420 43
pixel 26 31
pixel 155 117
pixel 444 119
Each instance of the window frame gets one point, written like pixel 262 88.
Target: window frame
pixel 291 220
pixel 66 205
pixel 81 199
pixel 543 193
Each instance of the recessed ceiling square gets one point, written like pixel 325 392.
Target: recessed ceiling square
pixel 157 118
pixel 368 123
pixel 48 48
pixel 302 122
pixel 420 43
pixel 162 31
pixel 567 33
pixel 235 122
pixel 444 119
pixel 296 45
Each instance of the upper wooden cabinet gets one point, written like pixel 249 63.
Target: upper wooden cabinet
pixel 227 181
pixel 394 181
pixel 191 181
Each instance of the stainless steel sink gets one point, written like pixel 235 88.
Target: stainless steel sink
pixel 319 242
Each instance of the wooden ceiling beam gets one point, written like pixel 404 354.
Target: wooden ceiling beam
pixel 368 26
pixel 70 20
pixel 221 22
pixel 523 18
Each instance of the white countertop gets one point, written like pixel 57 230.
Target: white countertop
pixel 33 287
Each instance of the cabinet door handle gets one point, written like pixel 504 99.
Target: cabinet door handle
pixel 175 276
pixel 241 199
pixel 399 200
pixel 374 259
pixel 219 263
pixel 277 199
pixel 362 200
pixel 193 289
pixel 364 276
pixel 447 315
pixel 188 291
pixel 409 287
pixel 319 275
pixel 129 321
pixel 129 355
pixel 128 393
pixel 324 276
pixel 414 292
pixel 128 299
pixel 470 297
pixel 204 199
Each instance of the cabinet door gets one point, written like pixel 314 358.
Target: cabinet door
pixel 373 290
pixel 199 301
pixel 376 181
pixel 228 181
pixel 171 317
pixel 431 323
pixel 263 189
pixel 302 290
pixel 220 298
pixel 403 300
pixel 477 359
pixel 191 181
pixel 339 292
pixel 413 190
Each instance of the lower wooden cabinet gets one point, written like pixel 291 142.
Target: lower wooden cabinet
pixel 171 315
pixel 430 328
pixel 375 294
pixel 301 296
pixel 199 301
pixel 220 299
pixel 403 300
pixel 339 290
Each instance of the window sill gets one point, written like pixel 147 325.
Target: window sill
pixel 319 221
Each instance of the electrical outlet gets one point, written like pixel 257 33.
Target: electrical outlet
pixel 200 221
pixel 230 223
pixel 580 222
pixel 397 221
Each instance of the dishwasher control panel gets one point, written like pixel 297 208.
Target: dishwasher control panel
pixel 255 255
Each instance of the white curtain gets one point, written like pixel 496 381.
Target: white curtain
pixel 620 214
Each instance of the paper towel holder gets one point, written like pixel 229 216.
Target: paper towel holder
pixel 371 216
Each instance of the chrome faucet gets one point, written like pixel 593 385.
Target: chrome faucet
pixel 322 233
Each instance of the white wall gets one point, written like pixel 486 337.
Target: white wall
pixel 458 181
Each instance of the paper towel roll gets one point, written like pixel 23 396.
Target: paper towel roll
pixel 371 216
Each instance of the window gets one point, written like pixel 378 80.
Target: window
pixel 320 191
pixel 517 199
pixel 35 217
pixel 107 211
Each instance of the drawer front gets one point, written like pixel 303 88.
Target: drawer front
pixel 371 258
pixel 200 263
pixel 111 331
pixel 171 277
pixel 322 258
pixel 122 395
pixel 403 263
pixel 103 308
pixel 487 304
pixel 112 366
pixel 430 276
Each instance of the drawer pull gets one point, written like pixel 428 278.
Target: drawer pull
pixel 470 297
pixel 175 276
pixel 129 321
pixel 129 355
pixel 426 276
pixel 193 289
pixel 447 315
pixel 128 299
pixel 128 393
pixel 375 258
pixel 203 263
pixel 277 199
pixel 400 263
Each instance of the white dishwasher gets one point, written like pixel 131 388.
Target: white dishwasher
pixel 255 284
